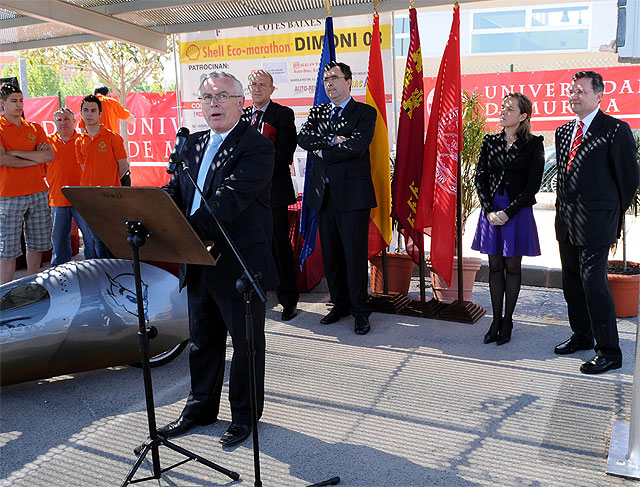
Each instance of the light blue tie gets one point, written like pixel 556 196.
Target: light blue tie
pixel 207 159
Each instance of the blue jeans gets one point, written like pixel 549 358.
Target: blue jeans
pixel 61 235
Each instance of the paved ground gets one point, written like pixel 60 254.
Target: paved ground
pixel 414 403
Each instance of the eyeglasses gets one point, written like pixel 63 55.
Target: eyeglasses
pixel 332 79
pixel 219 97
pixel 578 92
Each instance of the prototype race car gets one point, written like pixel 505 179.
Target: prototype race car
pixel 82 316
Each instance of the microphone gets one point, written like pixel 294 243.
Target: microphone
pixel 176 154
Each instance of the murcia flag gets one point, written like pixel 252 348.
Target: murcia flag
pixel 407 171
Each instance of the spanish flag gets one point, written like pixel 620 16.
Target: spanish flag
pixel 380 219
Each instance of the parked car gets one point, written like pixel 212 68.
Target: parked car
pixel 550 173
pixel 83 315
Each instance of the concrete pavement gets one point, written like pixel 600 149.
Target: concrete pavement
pixel 414 403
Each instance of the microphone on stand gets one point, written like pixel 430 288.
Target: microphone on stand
pixel 176 154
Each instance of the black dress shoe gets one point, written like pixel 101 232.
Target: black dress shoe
pixel 362 325
pixel 598 365
pixel 491 335
pixel 288 313
pixel 236 433
pixel 571 346
pixel 181 426
pixel 334 316
pixel 504 333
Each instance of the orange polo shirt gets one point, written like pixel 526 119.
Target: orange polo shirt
pixel 64 170
pixel 21 181
pixel 112 113
pixel 100 155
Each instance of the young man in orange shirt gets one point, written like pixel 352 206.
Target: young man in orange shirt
pixel 101 154
pixel 24 149
pixel 65 171
pixel 112 111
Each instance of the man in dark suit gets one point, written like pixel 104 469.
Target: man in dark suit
pixel 597 179
pixel 232 163
pixel 277 122
pixel 338 135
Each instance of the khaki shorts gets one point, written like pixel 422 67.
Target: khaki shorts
pixel 33 210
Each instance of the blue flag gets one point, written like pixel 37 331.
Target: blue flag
pixel 308 222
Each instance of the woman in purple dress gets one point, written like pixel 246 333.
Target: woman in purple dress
pixel 508 176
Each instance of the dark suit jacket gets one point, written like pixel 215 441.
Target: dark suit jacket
pixel 600 185
pixel 283 120
pixel 519 171
pixel 347 164
pixel 237 187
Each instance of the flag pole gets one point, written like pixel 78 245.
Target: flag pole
pixel 459 230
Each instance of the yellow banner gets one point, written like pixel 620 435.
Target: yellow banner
pixel 353 39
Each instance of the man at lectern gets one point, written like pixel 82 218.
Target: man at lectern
pixel 233 164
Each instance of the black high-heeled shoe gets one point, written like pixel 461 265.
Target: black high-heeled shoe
pixel 492 334
pixel 504 334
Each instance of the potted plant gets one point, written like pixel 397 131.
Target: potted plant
pixel 624 276
pixel 474 128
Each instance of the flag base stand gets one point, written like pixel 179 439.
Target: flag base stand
pixel 390 303
pixel 461 312
pixel 399 304
pixel 425 309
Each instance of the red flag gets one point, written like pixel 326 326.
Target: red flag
pixel 407 171
pixel 379 222
pixel 436 213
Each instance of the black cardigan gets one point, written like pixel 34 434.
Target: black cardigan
pixel 518 170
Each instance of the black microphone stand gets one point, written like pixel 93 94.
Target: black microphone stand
pixel 137 238
pixel 247 284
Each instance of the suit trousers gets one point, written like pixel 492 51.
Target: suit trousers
pixel 210 317
pixel 287 291
pixel 344 236
pixel 588 295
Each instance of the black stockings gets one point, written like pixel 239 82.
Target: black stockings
pixel 505 276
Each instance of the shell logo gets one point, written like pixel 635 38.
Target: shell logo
pixel 192 52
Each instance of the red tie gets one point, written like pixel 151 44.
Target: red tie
pixel 575 145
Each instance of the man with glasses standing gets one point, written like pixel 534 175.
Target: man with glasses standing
pixel 341 192
pixel 278 123
pixel 597 179
pixel 233 165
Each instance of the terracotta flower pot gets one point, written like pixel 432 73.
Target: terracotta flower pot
pixel 448 294
pixel 626 292
pixel 400 269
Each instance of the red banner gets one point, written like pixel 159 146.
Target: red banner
pixel 436 214
pixel 41 110
pixel 548 92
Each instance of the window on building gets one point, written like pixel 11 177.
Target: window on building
pixel 401 31
pixel 531 29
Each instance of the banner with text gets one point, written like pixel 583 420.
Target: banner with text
pixel 548 92
pixel 290 51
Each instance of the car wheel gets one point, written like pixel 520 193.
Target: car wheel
pixel 166 356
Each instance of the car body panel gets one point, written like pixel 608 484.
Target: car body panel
pixel 82 316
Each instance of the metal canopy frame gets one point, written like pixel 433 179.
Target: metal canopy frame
pixel 146 23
